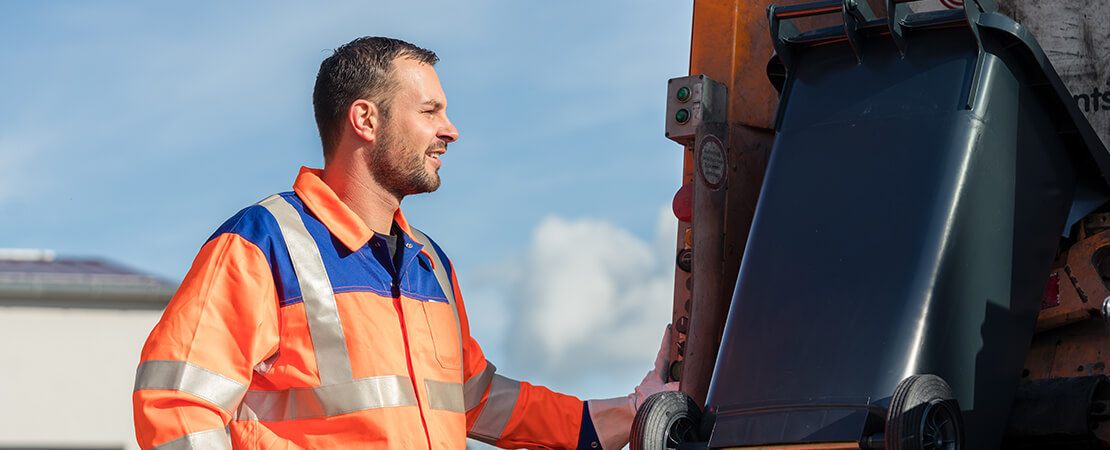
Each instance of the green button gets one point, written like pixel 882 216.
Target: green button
pixel 683 94
pixel 682 115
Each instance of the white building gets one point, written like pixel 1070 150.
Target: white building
pixel 71 334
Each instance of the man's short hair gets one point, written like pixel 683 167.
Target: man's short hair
pixel 360 69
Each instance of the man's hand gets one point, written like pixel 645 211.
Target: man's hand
pixel 612 417
pixel 656 380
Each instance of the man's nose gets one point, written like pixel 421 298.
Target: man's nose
pixel 449 133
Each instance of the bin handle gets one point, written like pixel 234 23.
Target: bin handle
pixel 972 14
pixel 853 12
pixel 897 10
pixel 856 13
pixel 805 9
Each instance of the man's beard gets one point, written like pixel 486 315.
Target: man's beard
pixel 399 169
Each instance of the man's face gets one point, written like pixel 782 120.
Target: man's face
pixel 410 141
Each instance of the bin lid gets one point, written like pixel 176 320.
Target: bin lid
pixel 994 31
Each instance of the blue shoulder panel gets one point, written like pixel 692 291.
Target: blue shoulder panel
pixel 255 224
pixel 369 269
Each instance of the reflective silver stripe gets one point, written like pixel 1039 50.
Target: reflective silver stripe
pixel 214 439
pixel 327 401
pixel 476 386
pixel 324 326
pixel 491 422
pixel 445 395
pixel 444 280
pixel 182 376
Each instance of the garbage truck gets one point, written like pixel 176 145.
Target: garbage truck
pixel 894 228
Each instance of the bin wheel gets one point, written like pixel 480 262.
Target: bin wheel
pixel 924 415
pixel 664 421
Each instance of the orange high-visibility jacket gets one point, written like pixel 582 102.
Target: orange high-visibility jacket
pixel 293 329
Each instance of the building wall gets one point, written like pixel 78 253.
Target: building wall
pixel 66 375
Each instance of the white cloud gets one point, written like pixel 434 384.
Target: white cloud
pixel 588 301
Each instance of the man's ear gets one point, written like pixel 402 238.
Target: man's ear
pixel 364 118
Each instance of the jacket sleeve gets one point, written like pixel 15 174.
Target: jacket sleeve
pixel 198 361
pixel 515 414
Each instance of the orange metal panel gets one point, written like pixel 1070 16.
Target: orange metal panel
pixel 1069 307
pixel 1070 351
pixel 730 44
pixel 1071 331
pixel 680 310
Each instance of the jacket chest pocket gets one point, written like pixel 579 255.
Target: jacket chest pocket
pixel 444 329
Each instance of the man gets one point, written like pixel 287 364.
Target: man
pixel 319 318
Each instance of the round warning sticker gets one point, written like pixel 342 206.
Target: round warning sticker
pixel 711 162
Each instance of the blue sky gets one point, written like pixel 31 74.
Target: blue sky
pixel 131 130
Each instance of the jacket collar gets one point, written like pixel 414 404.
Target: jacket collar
pixel 343 223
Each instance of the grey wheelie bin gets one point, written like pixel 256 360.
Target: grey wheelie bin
pixel 925 168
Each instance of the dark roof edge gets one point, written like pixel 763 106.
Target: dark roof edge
pixel 154 296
